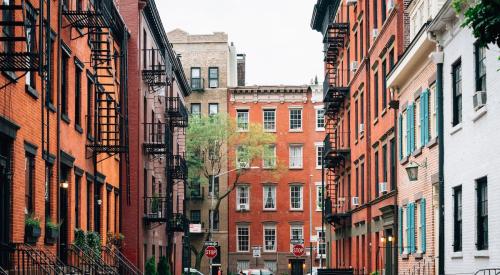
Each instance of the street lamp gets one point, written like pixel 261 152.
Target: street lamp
pixel 412 169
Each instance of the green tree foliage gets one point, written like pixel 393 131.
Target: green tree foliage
pixel 483 17
pixel 163 266
pixel 211 145
pixel 151 267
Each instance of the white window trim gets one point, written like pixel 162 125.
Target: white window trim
pixel 295 226
pixel 238 129
pixel 316 145
pixel 237 238
pixel 238 197
pixel 318 187
pixel 301 197
pixel 316 109
pixel 318 255
pixel 264 193
pixel 264 161
pixel 301 118
pixel 263 124
pixel 269 226
pixel 301 166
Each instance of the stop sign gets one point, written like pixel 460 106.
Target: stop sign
pixel 298 250
pixel 211 251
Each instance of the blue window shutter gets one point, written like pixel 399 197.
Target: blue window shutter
pixel 412 133
pixel 427 128
pixel 408 127
pixel 412 228
pixel 422 120
pixel 400 136
pixel 408 228
pixel 400 233
pixel 422 218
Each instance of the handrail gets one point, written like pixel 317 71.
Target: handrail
pixel 98 259
pixel 91 262
pixel 123 265
pixel 488 271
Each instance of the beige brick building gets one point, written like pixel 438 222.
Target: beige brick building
pixel 209 62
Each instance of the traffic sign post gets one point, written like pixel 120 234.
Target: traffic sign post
pixel 211 252
pixel 298 250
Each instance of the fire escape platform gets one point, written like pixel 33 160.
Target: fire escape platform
pixel 19 61
pixel 85 19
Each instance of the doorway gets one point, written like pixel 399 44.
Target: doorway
pixel 63 215
pixel 297 267
pixel 5 177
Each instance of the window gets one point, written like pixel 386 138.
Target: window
pixel 31 42
pixel 214 214
pixel 319 197
pixel 195 108
pixel 377 180
pixel 243 238
pixel 375 92
pixel 78 96
pixel 384 11
pixel 457 218
pixel 456 72
pixel 482 213
pixel 213 77
pixel 356 125
pixel 242 198
pixel 196 83
pixel 417 128
pixel 295 156
pixel 296 233
pixel 320 119
pixel 375 13
pixel 271 265
pixel 296 197
pixel 213 186
pixel 362 183
pixel 269 156
pixel 269 193
pixel 384 84
pixel 433 111
pixel 480 61
pixel 64 85
pixel 242 157
pixel 89 205
pixel 393 165
pixel 243 265
pixel 269 238
pixel 295 119
pixel 78 181
pixel 90 90
pixel 321 244
pixel 391 58
pixel 195 216
pixel 269 120
pixel 48 178
pixel 319 156
pixel 242 120
pixel 29 169
pixel 362 108
pixel 213 108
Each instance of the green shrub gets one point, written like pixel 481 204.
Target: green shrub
pixel 163 266
pixel 151 267
pixel 32 221
pixel 94 242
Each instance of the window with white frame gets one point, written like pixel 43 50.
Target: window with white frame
pixel 269 119
pixel 405 230
pixel 269 158
pixel 320 119
pixel 418 229
pixel 269 199
pixel 242 120
pixel 242 157
pixel 269 238
pixel 432 110
pixel 296 197
pixel 271 265
pixel 295 156
pixel 243 238
pixel 242 198
pixel 295 119
pixel 319 197
pixel 242 265
pixel 296 232
pixel 418 123
pixel 321 244
pixel 404 141
pixel 319 155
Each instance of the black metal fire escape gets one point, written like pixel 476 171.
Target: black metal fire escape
pixel 335 153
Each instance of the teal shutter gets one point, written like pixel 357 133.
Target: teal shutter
pixel 422 120
pixel 400 136
pixel 412 227
pixel 400 233
pixel 427 129
pixel 408 227
pixel 408 127
pixel 422 222
pixel 412 132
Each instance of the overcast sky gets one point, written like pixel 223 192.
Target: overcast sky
pixel 280 46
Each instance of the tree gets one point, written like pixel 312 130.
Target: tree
pixel 151 267
pixel 483 17
pixel 211 144
pixel 163 266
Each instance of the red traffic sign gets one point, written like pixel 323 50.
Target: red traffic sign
pixel 211 251
pixel 298 250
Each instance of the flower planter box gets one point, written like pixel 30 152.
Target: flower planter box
pixel 32 233
pixel 51 235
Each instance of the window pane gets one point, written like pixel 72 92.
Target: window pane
pixel 269 238
pixel 243 238
pixel 295 119
pixel 269 119
pixel 213 108
pixel 269 197
pixel 295 156
pixel 296 197
pixel 195 72
pixel 242 120
pixel 320 118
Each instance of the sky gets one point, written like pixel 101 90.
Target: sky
pixel 275 35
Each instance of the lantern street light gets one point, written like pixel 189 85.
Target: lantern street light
pixel 412 169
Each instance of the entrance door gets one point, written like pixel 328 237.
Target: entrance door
pixel 297 267
pixel 5 151
pixel 63 234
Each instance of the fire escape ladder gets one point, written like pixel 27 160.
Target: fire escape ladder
pixel 18 45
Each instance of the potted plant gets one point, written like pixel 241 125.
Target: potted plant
pixel 51 231
pixel 155 205
pixel 115 239
pixel 32 229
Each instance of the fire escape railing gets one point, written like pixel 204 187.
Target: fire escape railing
pixel 177 167
pixel 155 209
pixel 178 222
pixel 113 257
pixel 157 72
pixel 157 138
pixel 335 37
pixel 176 112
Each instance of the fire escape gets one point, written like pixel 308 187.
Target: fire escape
pixel 335 154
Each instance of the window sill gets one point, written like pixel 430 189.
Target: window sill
pixel 362 135
pixel 432 143
pixel 457 255
pixel 375 121
pixel 404 160
pixel 481 254
pixel 318 167
pixel 11 76
pixel 241 131
pixel 269 168
pixel 65 118
pixel 270 131
pixel 384 111
pixel 296 210
pixel 78 128
pixel 456 129
pixel 356 141
pixel 50 106
pixel 418 255
pixel 295 131
pixel 480 113
pixel 417 152
pixel 320 129
pixel 32 92
pixel 295 168
pixel 269 210
pixel 405 256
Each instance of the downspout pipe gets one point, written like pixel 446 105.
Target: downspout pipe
pixel 438 59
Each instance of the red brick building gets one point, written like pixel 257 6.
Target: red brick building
pixel 157 141
pixel 267 212
pixel 363 40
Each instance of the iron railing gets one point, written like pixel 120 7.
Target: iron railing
pixel 177 222
pixel 177 167
pixel 157 137
pixel 155 209
pixel 24 259
pixel 156 72
pixel 112 257
pixel 488 271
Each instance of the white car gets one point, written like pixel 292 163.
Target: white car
pixel 191 271
pixel 257 272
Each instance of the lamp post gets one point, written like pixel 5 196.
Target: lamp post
pixel 211 221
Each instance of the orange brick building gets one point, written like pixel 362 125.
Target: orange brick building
pixel 266 213
pixel 362 41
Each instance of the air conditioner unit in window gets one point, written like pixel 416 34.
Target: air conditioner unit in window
pixel 351 2
pixel 375 33
pixel 361 128
pixel 382 188
pixel 342 199
pixel 355 201
pixel 354 66
pixel 243 164
pixel 390 5
pixel 479 99
pixel 243 207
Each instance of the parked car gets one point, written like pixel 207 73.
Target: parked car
pixel 257 272
pixel 192 271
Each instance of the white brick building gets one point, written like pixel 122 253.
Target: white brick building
pixel 472 152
